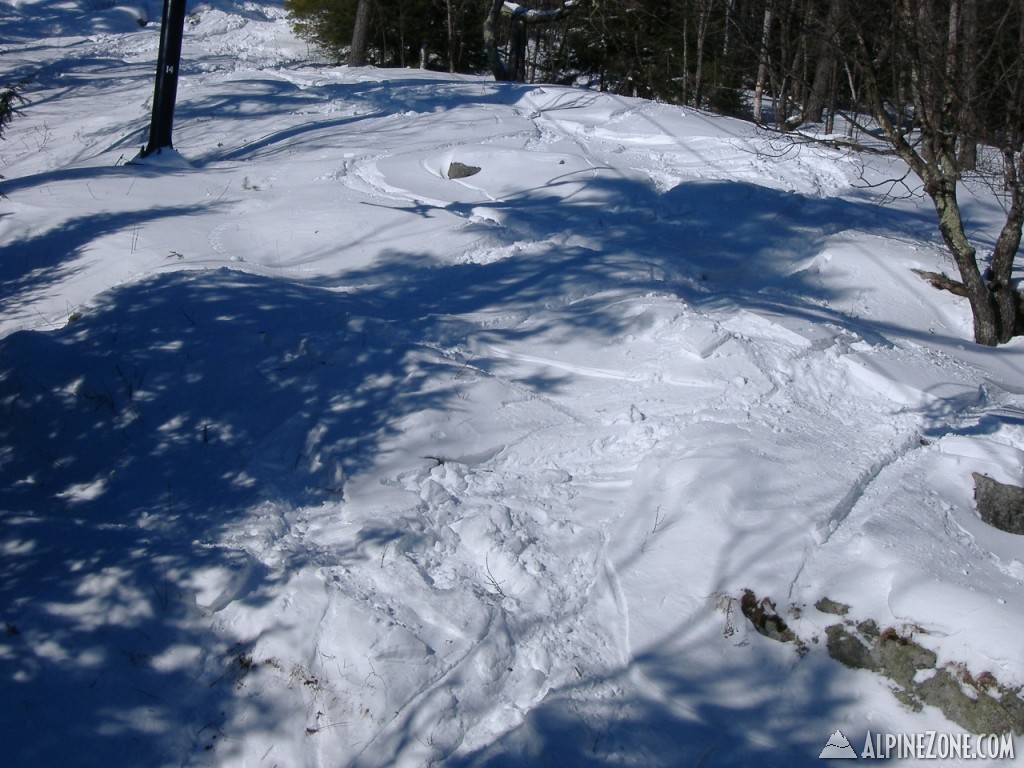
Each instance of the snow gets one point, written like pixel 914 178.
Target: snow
pixel 313 456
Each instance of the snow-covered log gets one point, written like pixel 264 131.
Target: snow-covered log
pixel 521 16
pixel 537 16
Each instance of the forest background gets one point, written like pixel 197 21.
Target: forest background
pixel 939 83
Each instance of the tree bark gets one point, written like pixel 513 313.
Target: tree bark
pixel 985 313
pixel 1007 299
pixel 762 65
pixel 517 48
pixel 730 8
pixel 922 50
pixel 521 17
pixel 703 19
pixel 450 34
pixel 498 68
pixel 966 33
pixel 357 52
pixel 821 86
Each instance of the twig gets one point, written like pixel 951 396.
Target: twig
pixel 659 518
pixel 164 599
pixel 495 584
pixel 942 282
pixel 310 730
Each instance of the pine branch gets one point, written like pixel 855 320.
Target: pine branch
pixel 10 100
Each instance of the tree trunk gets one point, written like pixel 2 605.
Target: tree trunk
pixel 450 29
pixel 833 95
pixel 1007 298
pixel 968 140
pixel 986 314
pixel 517 49
pixel 762 66
pixel 919 67
pixel 686 59
pixel 821 86
pixel 539 42
pixel 703 20
pixel 498 68
pixel 357 53
pixel 520 18
pixel 730 8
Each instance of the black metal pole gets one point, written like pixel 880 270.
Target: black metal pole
pixel 166 89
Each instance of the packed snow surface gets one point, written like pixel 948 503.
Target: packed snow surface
pixel 314 456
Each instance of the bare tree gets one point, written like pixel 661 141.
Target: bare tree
pixel 821 87
pixel 762 62
pixel 449 25
pixel 968 141
pixel 704 8
pixel 357 53
pixel 918 65
pixel 519 18
pixel 498 68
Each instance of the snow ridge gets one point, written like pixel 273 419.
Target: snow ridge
pixel 312 455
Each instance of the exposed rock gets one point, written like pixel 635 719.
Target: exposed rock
pixel 900 659
pixel 459 170
pixel 764 617
pixel 826 605
pixel 981 705
pixel 999 505
pixel 848 650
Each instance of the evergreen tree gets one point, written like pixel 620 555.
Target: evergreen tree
pixel 439 34
pixel 10 99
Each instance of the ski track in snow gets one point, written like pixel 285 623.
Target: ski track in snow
pixel 643 360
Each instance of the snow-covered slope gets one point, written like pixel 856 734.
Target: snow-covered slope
pixel 314 456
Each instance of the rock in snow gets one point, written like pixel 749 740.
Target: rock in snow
pixel 344 464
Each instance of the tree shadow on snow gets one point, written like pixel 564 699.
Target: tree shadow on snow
pixel 129 440
pixel 778 715
pixel 186 404
pixel 711 244
pixel 56 18
pixel 30 265
pixel 300 109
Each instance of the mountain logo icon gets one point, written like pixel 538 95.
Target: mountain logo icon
pixel 838 747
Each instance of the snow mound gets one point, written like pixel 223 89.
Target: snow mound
pixel 313 453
